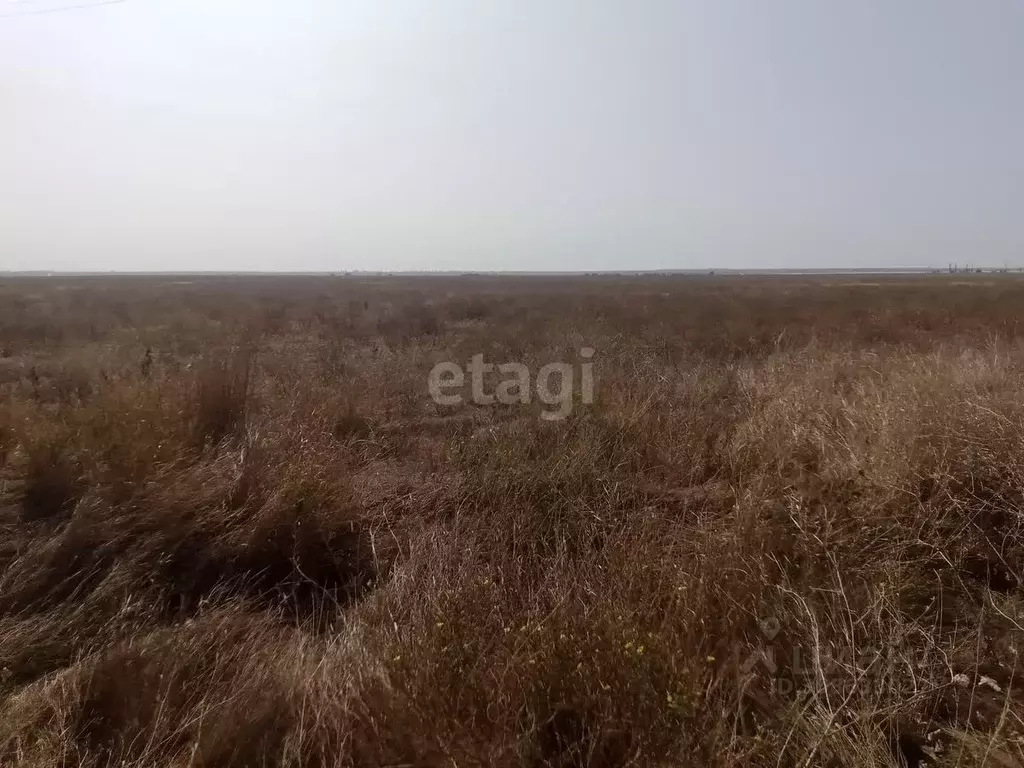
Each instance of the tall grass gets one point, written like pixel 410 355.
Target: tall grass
pixel 788 531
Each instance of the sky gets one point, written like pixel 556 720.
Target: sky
pixel 330 135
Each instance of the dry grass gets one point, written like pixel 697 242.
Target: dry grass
pixel 237 531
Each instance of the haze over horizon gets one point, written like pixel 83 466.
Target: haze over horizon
pixel 415 135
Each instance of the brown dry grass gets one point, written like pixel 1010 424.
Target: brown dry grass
pixel 787 533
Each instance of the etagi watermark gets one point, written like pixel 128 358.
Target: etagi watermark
pixel 789 671
pixel 555 384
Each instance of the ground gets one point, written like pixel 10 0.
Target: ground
pixel 786 530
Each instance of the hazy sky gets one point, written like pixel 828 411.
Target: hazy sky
pixel 521 134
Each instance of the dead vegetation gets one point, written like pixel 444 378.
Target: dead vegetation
pixel 236 530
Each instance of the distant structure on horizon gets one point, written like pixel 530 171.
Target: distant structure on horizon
pixel 956 269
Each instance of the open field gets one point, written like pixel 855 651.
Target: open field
pixel 786 532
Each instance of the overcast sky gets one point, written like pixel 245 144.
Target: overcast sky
pixel 511 134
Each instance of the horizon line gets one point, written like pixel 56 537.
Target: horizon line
pixel 707 271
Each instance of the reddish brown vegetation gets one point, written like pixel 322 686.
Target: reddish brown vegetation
pixel 237 531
